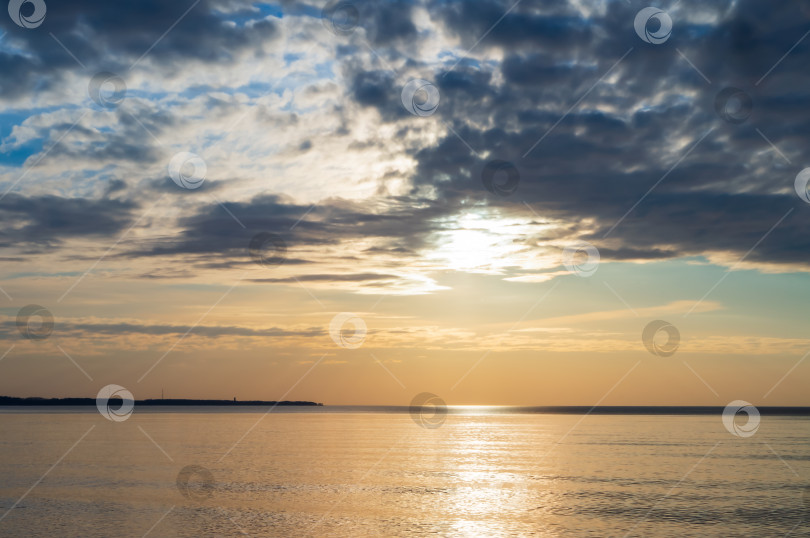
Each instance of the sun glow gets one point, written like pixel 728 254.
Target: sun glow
pixel 484 241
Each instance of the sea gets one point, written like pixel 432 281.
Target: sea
pixel 365 471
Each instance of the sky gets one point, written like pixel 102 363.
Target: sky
pixel 496 202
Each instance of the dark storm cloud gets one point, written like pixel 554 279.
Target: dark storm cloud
pixel 639 163
pixel 598 158
pixel 44 220
pixel 387 23
pixel 372 88
pixel 560 26
pixel 599 161
pixel 115 186
pixel 212 231
pixel 113 35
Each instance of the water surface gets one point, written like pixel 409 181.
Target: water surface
pixel 339 472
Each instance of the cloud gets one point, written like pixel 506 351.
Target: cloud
pixel 115 36
pixel 642 158
pixel 357 277
pixel 616 141
pixel 68 328
pixel 51 220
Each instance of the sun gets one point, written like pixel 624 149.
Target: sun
pixel 484 241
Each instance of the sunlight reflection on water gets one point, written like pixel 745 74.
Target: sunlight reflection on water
pixel 349 474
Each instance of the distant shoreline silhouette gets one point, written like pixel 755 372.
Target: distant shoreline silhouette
pixel 35 401
pixel 9 401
